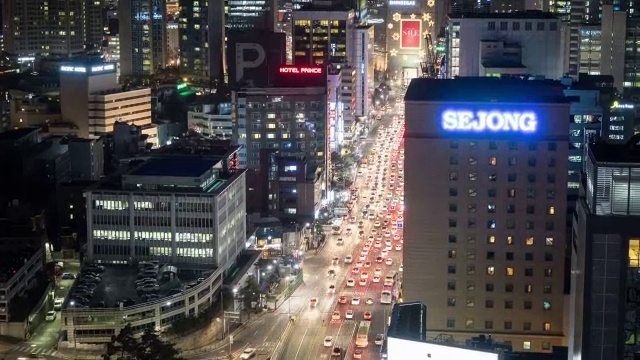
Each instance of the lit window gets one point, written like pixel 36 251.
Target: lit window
pixel 510 271
pixel 551 210
pixel 546 305
pixel 549 241
pixel 271 126
pixel 526 345
pixel 271 116
pixel 529 241
pixel 70 206
pixel 70 216
pixel 271 136
pixel 491 270
pixel 546 326
pixel 493 161
pixel 509 240
pixel 256 136
pixel 452 254
pixel 491 239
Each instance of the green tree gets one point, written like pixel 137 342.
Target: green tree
pixel 250 293
pixel 149 346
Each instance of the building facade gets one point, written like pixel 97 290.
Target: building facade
pixel 212 120
pixel 194 41
pixel 484 234
pixel 605 253
pixel 143 36
pixel 322 37
pixel 146 217
pixel 531 43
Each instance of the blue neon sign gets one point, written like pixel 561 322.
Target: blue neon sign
pixel 491 120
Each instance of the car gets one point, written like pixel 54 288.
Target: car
pixel 349 315
pixel 336 353
pixel 384 252
pixel 401 268
pixel 349 231
pixel 248 353
pixel 352 220
pixel 51 315
pixel 351 283
pixel 362 258
pixel 376 279
pixel 379 339
pixel 342 299
pixel 398 247
pixel 328 341
pixel 364 253
pixel 377 271
pixel 355 301
pixel 362 282
pixel 379 259
pixel 389 261
pixel 364 275
pixel 68 276
pixel 313 301
pixel 340 241
pixel 335 315
pixel 367 315
pixel 331 289
pixel 367 264
pixel 378 244
pixel 331 273
pixel 369 301
pixel 356 269
pixel 348 259
pixel 57 304
pixel 335 260
pixel 357 354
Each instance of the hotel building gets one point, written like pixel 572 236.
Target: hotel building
pixel 486 210
pixel 185 210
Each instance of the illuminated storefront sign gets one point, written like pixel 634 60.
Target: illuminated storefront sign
pixel 622 106
pixel 82 69
pixel 494 121
pixel 411 34
pixel 402 2
pixel 300 70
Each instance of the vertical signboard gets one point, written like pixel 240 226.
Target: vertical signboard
pixel 411 37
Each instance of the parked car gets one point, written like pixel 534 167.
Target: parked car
pixel 248 353
pixel 57 304
pixel 51 315
pixel 68 276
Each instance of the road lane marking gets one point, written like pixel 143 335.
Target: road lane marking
pixel 301 342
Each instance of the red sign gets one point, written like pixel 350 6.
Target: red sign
pixel 411 34
pixel 313 70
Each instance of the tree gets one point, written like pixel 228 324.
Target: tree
pixel 149 346
pixel 250 293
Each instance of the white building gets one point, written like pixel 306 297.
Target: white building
pixel 531 43
pixel 484 231
pixel 212 122
pixel 92 100
pixel 183 210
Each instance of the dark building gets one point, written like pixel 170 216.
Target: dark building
pixel 605 255
pixel 254 57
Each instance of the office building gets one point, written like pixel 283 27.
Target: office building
pixel 605 253
pixel 32 27
pixel 362 60
pixel 212 120
pixel 186 210
pixel 93 24
pixel 336 115
pixel 531 43
pixel 194 42
pixel 245 15
pixel 143 36
pixel 93 102
pixel 484 233
pixel 343 129
pixel 173 43
pixel 321 36
pixel 86 158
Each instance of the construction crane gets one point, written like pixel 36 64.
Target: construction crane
pixel 428 66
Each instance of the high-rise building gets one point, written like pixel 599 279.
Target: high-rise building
pixel 92 100
pixel 93 24
pixel 251 14
pixel 605 256
pixel 531 43
pixel 321 36
pixel 484 233
pixel 31 27
pixel 361 58
pixel 194 41
pixel 143 36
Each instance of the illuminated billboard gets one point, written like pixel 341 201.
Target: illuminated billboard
pixel 463 120
pixel 313 70
pixel 402 3
pixel 301 76
pixel 94 69
pixel 399 349
pixel 411 37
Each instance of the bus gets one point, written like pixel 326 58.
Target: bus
pixel 336 229
pixel 362 338
pixel 391 278
pixel 385 297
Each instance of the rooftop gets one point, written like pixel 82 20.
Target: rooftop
pixel 409 321
pixel 628 153
pixel 485 89
pixel 17 134
pixel 11 261
pixel 175 167
pixel 523 15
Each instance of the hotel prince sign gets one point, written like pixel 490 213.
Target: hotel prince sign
pixel 495 121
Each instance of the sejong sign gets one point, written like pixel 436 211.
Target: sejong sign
pixel 489 121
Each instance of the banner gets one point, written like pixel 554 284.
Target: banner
pixel 411 37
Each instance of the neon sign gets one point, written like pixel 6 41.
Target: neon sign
pixel 402 2
pixel 493 120
pixel 82 69
pixel 300 70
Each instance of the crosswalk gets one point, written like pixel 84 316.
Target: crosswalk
pixel 27 348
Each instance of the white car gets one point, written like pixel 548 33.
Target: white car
pixel 377 223
pixel 332 289
pixel 401 268
pixel 348 315
pixel 389 261
pixel 51 315
pixel 57 304
pixel 384 252
pixel 328 341
pixel 355 301
pixel 248 353
pixel 363 282
pixel 376 279
pixel 348 259
pixel 351 283
pixel 398 247
pixel 377 271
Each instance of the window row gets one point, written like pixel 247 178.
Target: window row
pixel 508 325
pixel 511 177
pixel 511 193
pixel 491 270
pixel 490 304
pixel 493 161
pixel 491 255
pixel 490 287
pixel 510 224
pixel 491 208
pixel 511 145
pixel 509 240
